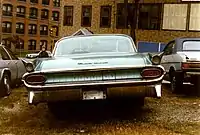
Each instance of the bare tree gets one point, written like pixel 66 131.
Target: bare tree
pixel 15 40
pixel 131 17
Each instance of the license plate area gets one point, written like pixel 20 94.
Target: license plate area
pixel 93 95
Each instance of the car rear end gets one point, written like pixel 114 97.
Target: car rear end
pixel 90 84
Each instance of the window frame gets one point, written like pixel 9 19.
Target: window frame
pixel 31 31
pixel 5 29
pixel 33 47
pixel 54 18
pixel 31 11
pixel 21 14
pixel 66 16
pixel 89 7
pixel 120 15
pixel 150 18
pixel 109 7
pixel 6 12
pixel 43 14
pixel 19 30
pixel 44 32
pixel 43 41
pixel 56 3
pixel 45 2
pixel 34 1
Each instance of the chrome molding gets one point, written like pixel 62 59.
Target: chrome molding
pixel 95 83
pixel 158 89
pixel 94 69
pixel 31 96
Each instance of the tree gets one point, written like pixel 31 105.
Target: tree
pixel 15 40
pixel 131 17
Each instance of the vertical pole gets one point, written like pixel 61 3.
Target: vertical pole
pixel 1 20
pixel 159 45
pixel 125 13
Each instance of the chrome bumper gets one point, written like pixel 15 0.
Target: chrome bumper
pixel 193 73
pixel 35 97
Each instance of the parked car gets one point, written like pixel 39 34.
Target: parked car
pixel 181 61
pixel 11 70
pixel 93 67
pixel 35 55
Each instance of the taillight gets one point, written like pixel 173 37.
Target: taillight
pixel 151 73
pixel 185 65
pixel 190 65
pixel 35 79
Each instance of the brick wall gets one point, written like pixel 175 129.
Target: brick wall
pixel 141 35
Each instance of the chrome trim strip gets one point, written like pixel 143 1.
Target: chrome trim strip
pixel 158 89
pixel 92 84
pixel 2 72
pixel 94 69
pixel 31 96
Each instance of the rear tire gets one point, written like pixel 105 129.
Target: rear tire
pixel 197 85
pixel 5 85
pixel 176 80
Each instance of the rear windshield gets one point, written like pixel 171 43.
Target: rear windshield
pixel 191 45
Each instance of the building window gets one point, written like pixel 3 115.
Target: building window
pixel 120 22
pixel 149 16
pixel 20 28
pixel 32 45
pixel 7 9
pixel 43 43
pixel 55 15
pixel 32 29
pixel 86 16
pixel 21 11
pixel 45 2
pixel 34 1
pixel 43 30
pixel 7 27
pixel 44 14
pixel 56 27
pixel 20 45
pixel 194 17
pixel 6 43
pixel 56 3
pixel 175 16
pixel 33 13
pixel 68 16
pixel 105 16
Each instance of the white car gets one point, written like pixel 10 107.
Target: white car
pixel 35 55
pixel 181 60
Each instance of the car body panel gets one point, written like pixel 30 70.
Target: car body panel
pixel 91 61
pixel 109 72
pixel 12 64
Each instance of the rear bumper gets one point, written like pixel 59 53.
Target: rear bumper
pixel 35 97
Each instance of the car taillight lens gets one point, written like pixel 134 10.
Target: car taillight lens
pixel 35 79
pixel 185 65
pixel 151 73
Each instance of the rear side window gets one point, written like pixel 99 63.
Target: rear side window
pixel 191 45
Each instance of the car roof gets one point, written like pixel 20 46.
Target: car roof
pixel 94 35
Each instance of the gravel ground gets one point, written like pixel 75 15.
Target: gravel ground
pixel 172 114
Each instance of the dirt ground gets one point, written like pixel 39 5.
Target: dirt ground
pixel 172 114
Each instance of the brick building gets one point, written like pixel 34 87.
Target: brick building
pixel 158 20
pixel 31 21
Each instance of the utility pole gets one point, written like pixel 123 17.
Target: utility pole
pixel 133 21
pixel 1 33
pixel 125 14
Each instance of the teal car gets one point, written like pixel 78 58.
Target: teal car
pixel 94 67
